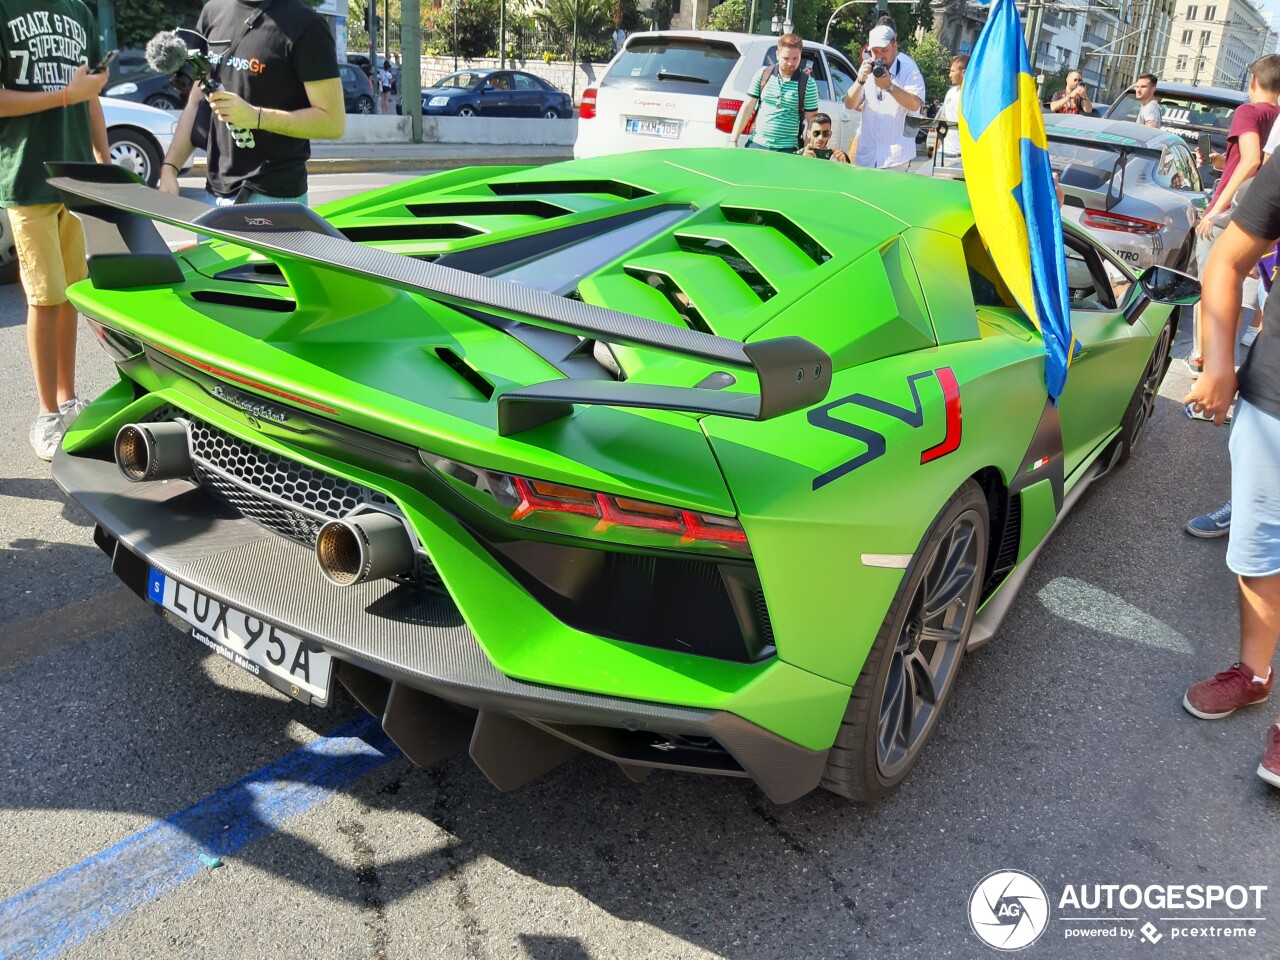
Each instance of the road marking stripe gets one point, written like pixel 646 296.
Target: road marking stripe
pixel 70 907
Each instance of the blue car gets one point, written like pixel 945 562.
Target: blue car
pixel 495 93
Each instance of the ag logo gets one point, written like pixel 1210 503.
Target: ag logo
pixel 1008 910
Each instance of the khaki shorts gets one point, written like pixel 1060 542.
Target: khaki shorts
pixel 50 244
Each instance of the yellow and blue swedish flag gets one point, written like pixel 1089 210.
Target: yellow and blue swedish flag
pixel 1006 164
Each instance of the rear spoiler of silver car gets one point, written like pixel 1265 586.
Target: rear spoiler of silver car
pixel 792 372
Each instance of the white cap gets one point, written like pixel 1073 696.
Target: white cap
pixel 881 36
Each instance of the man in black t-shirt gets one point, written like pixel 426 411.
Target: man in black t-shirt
pixel 278 68
pixel 1253 552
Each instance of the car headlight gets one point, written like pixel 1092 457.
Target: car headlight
pixel 120 89
pixel 437 101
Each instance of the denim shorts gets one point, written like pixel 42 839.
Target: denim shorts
pixel 1254 547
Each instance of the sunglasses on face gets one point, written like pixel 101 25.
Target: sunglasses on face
pixel 821 134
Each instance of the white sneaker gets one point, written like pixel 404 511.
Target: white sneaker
pixel 46 435
pixel 1250 334
pixel 70 410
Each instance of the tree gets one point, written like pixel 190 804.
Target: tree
pixel 934 61
pixel 730 15
pixel 595 26
pixel 139 20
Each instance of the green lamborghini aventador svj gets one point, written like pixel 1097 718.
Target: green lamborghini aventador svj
pixel 707 460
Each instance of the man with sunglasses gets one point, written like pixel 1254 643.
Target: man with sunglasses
pixel 817 141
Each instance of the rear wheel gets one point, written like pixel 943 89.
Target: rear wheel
pixel 1138 415
pixel 550 113
pixel 364 105
pixel 916 657
pixel 135 151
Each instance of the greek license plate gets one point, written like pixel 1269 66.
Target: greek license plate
pixel 262 649
pixel 670 129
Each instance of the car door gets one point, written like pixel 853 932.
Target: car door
pixel 846 121
pixel 497 95
pixel 527 97
pixel 1113 352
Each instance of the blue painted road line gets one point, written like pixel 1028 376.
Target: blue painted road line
pixel 67 909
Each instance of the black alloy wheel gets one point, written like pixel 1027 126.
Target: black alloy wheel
pixel 912 667
pixel 1142 406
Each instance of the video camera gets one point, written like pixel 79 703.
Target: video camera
pixel 184 54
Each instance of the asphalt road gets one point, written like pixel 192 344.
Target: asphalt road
pixel 1065 753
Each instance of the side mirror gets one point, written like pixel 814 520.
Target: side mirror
pixel 486 88
pixel 1166 285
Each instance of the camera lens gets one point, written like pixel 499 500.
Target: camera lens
pixel 878 68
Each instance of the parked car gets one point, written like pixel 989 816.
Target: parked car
pixel 357 90
pixel 153 89
pixel 138 137
pixel 683 88
pixel 617 472
pixel 1135 188
pixel 1189 111
pixel 495 93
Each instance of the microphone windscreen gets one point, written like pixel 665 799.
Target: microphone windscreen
pixel 166 52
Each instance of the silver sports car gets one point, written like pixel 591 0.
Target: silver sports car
pixel 1135 188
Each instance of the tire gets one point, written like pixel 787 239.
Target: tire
pixel 871 755
pixel 136 151
pixel 466 110
pixel 1138 414
pixel 550 113
pixel 161 102
pixel 364 105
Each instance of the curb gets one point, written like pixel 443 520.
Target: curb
pixel 323 165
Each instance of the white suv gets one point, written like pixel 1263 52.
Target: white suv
pixel 683 88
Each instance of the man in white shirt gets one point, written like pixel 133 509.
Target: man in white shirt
pixel 949 146
pixel 896 89
pixel 1149 113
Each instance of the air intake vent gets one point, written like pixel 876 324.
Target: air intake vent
pixel 735 261
pixel 785 226
pixel 245 301
pixel 488 208
pixel 411 231
pixel 678 299
pixel 624 191
pixel 268 273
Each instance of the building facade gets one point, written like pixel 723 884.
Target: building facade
pixel 1212 44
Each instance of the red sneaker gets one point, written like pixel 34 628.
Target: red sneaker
pixel 1227 692
pixel 1269 768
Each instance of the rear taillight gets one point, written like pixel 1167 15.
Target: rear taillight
pixel 587 109
pixel 1103 220
pixel 570 510
pixel 726 113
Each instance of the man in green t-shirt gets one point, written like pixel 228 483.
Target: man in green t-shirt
pixel 49 110
pixel 782 92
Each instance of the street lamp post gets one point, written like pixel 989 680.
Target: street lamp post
pixel 849 3
pixel 455 36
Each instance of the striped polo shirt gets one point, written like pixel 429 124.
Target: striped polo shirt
pixel 778 116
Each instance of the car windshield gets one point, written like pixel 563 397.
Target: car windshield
pixel 465 79
pixel 681 60
pixel 1184 112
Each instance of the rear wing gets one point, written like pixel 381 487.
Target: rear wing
pixel 793 373
pixel 1101 195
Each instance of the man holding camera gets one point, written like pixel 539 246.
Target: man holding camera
pixel 1075 98
pixel 817 142
pixel 896 90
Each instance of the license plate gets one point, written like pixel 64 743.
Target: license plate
pixel 272 655
pixel 669 129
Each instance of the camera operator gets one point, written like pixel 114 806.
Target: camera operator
pixel 817 142
pixel 279 88
pixel 1074 99
pixel 896 90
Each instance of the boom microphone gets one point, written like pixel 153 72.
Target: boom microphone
pixel 166 52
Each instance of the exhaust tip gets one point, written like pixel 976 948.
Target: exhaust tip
pixel 153 451
pixel 367 547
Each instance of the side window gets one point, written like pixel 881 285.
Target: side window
pixel 1165 173
pixel 1187 176
pixel 812 63
pixel 524 83
pixel 842 75
pixel 1094 281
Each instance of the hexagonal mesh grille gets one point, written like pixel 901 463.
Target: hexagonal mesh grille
pixel 290 498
